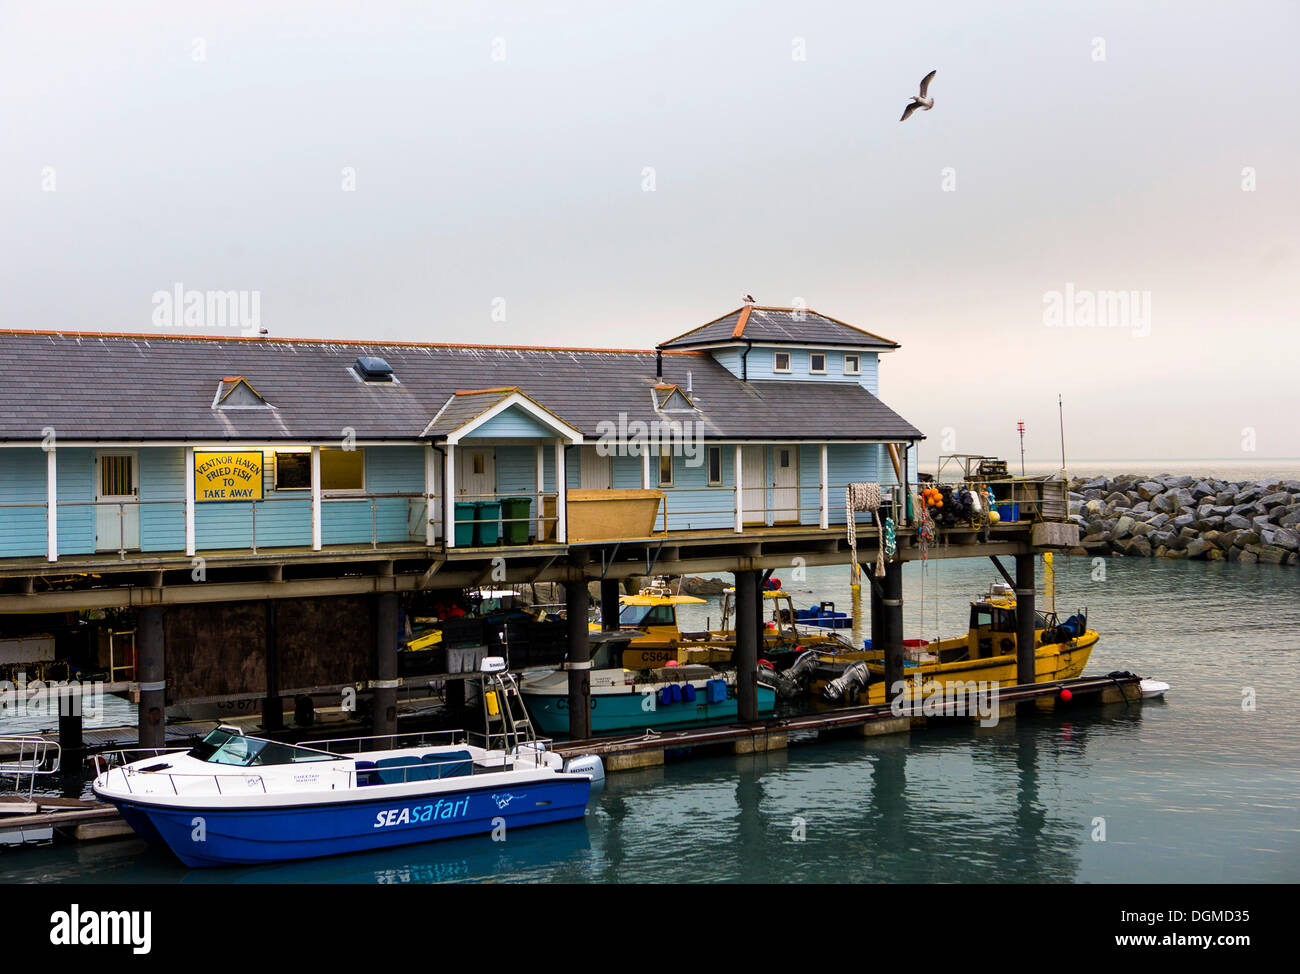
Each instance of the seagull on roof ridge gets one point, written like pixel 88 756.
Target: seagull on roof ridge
pixel 749 299
pixel 921 100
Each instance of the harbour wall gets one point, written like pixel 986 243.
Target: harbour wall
pixel 1185 517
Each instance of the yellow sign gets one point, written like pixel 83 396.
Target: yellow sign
pixel 225 476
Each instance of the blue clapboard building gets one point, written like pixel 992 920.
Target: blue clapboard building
pixel 158 448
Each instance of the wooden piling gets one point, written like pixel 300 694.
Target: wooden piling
pixel 576 602
pixel 151 672
pixel 746 653
pixel 892 605
pixel 1025 667
pixel 385 683
pixel 609 606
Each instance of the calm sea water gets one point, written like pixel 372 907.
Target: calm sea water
pixel 1193 789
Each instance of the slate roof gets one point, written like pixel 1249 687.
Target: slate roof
pixel 795 326
pixel 461 407
pixel 149 387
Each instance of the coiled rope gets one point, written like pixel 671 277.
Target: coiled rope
pixel 864 497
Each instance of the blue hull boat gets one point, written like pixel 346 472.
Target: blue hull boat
pixel 253 835
pixel 239 800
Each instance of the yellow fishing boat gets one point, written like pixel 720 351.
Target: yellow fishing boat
pixel 653 611
pixel 985 654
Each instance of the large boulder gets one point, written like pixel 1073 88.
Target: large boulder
pixel 1123 527
pixel 1203 489
pixel 1248 496
pixel 1166 503
pixel 1282 538
pixel 1184 520
pixel 1117 499
pixel 1149 489
pixel 1161 519
pixel 1227 539
pixel 1197 548
pixel 1272 555
pixel 1138 548
pixel 1275 500
pixel 1226 497
pixel 1237 522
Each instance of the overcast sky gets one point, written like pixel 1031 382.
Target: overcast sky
pixel 613 174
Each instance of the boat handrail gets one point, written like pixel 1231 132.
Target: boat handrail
pixel 120 753
pixel 423 739
pixel 32 754
pixel 171 776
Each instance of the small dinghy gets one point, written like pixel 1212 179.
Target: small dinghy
pixel 1152 689
pixel 240 800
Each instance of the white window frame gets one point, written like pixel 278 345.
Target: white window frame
pixel 789 362
pixel 857 363
pixel 669 482
pixel 275 483
pixel 709 460
pixel 346 491
pixel 811 357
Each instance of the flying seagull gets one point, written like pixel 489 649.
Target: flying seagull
pixel 920 101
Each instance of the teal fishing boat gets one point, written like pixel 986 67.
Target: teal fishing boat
pixel 625 700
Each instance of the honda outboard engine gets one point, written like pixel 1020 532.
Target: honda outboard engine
pixel 857 675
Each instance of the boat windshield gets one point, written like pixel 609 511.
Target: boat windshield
pixel 646 615
pixel 223 747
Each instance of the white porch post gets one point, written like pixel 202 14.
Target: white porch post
pixel 740 507
pixel 539 459
pixel 449 497
pixel 430 495
pixel 315 499
pixel 561 496
pixel 825 492
pixel 191 539
pixel 51 504
pixel 645 466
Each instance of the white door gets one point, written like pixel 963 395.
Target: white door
pixel 753 480
pixel 476 473
pixel 594 471
pixel 117 515
pixel 785 484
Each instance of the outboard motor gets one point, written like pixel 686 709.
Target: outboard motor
pixel 791 681
pixel 587 764
pixel 857 675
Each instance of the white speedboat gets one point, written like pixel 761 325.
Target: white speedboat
pixel 235 799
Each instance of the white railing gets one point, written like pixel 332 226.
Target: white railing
pixel 23 759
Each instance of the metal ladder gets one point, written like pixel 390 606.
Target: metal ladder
pixel 511 724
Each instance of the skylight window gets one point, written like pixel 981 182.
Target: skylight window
pixel 371 368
